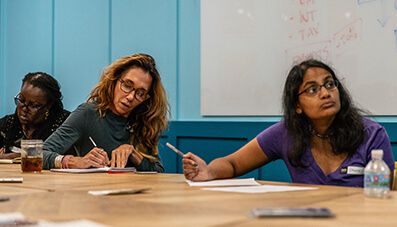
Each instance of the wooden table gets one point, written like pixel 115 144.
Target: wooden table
pixel 171 202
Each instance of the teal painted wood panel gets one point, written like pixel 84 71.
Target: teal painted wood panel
pixel 2 58
pixel 211 148
pixel 148 26
pixel 209 140
pixel 27 44
pixel 275 171
pixel 81 46
pixel 168 157
pixel 189 60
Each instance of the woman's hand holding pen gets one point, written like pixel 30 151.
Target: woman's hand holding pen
pixel 97 157
pixel 195 168
pixel 124 152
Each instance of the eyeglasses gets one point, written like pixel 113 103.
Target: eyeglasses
pixel 128 87
pixel 30 106
pixel 314 89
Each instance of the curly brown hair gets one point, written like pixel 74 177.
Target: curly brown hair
pixel 150 118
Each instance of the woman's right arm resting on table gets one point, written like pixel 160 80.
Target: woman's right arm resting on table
pixel 58 143
pixel 64 137
pixel 247 158
pixel 3 139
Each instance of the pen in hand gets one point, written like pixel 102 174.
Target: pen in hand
pixel 180 153
pixel 93 143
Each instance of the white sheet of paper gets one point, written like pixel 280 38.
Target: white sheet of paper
pixel 260 189
pixel 10 218
pixel 90 170
pixel 73 223
pixel 11 179
pixel 228 182
pixel 6 161
pixel 95 170
pixel 118 191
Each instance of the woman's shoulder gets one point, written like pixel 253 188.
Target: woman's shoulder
pixel 64 114
pixel 85 111
pixel 7 121
pixel 276 129
pixel 86 107
pixel 7 118
pixel 278 126
pixel 371 127
pixel 370 124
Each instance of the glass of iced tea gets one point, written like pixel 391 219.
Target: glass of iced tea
pixel 31 155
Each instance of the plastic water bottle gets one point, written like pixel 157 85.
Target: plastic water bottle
pixel 377 176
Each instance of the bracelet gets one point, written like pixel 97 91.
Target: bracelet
pixel 58 162
pixel 65 161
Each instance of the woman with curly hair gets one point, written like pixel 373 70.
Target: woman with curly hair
pixel 323 138
pixel 125 115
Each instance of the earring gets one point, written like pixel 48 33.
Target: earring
pixel 47 113
pixel 298 111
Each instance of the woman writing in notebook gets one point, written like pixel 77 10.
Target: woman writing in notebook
pixel 323 138
pixel 124 115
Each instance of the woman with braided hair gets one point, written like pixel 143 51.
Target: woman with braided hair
pixel 39 112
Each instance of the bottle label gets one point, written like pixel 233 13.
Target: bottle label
pixel 376 180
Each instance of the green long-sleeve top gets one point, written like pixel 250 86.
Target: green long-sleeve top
pixel 108 132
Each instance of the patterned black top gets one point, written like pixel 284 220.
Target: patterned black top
pixel 11 132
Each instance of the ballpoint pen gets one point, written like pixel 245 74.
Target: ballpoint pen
pixel 92 141
pixel 180 153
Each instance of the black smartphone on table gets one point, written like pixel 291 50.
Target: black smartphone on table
pixel 292 212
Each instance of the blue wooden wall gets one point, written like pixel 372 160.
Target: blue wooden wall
pixel 74 40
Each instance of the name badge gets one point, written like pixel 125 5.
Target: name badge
pixel 353 170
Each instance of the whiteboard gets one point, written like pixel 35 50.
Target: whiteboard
pixel 248 47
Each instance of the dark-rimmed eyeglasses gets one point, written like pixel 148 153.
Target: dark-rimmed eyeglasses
pixel 128 87
pixel 315 88
pixel 32 107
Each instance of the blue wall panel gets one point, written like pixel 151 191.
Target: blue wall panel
pixel 210 148
pixel 169 159
pixel 211 140
pixel 2 58
pixel 81 46
pixel 148 26
pixel 27 43
pixel 189 60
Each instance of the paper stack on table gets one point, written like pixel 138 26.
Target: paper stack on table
pixel 248 185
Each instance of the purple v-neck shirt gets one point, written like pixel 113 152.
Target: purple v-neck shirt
pixel 274 142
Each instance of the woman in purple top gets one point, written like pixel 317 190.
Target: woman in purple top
pixel 323 138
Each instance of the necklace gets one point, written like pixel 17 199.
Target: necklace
pixel 319 135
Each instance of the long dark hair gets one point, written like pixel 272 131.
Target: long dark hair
pixel 346 132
